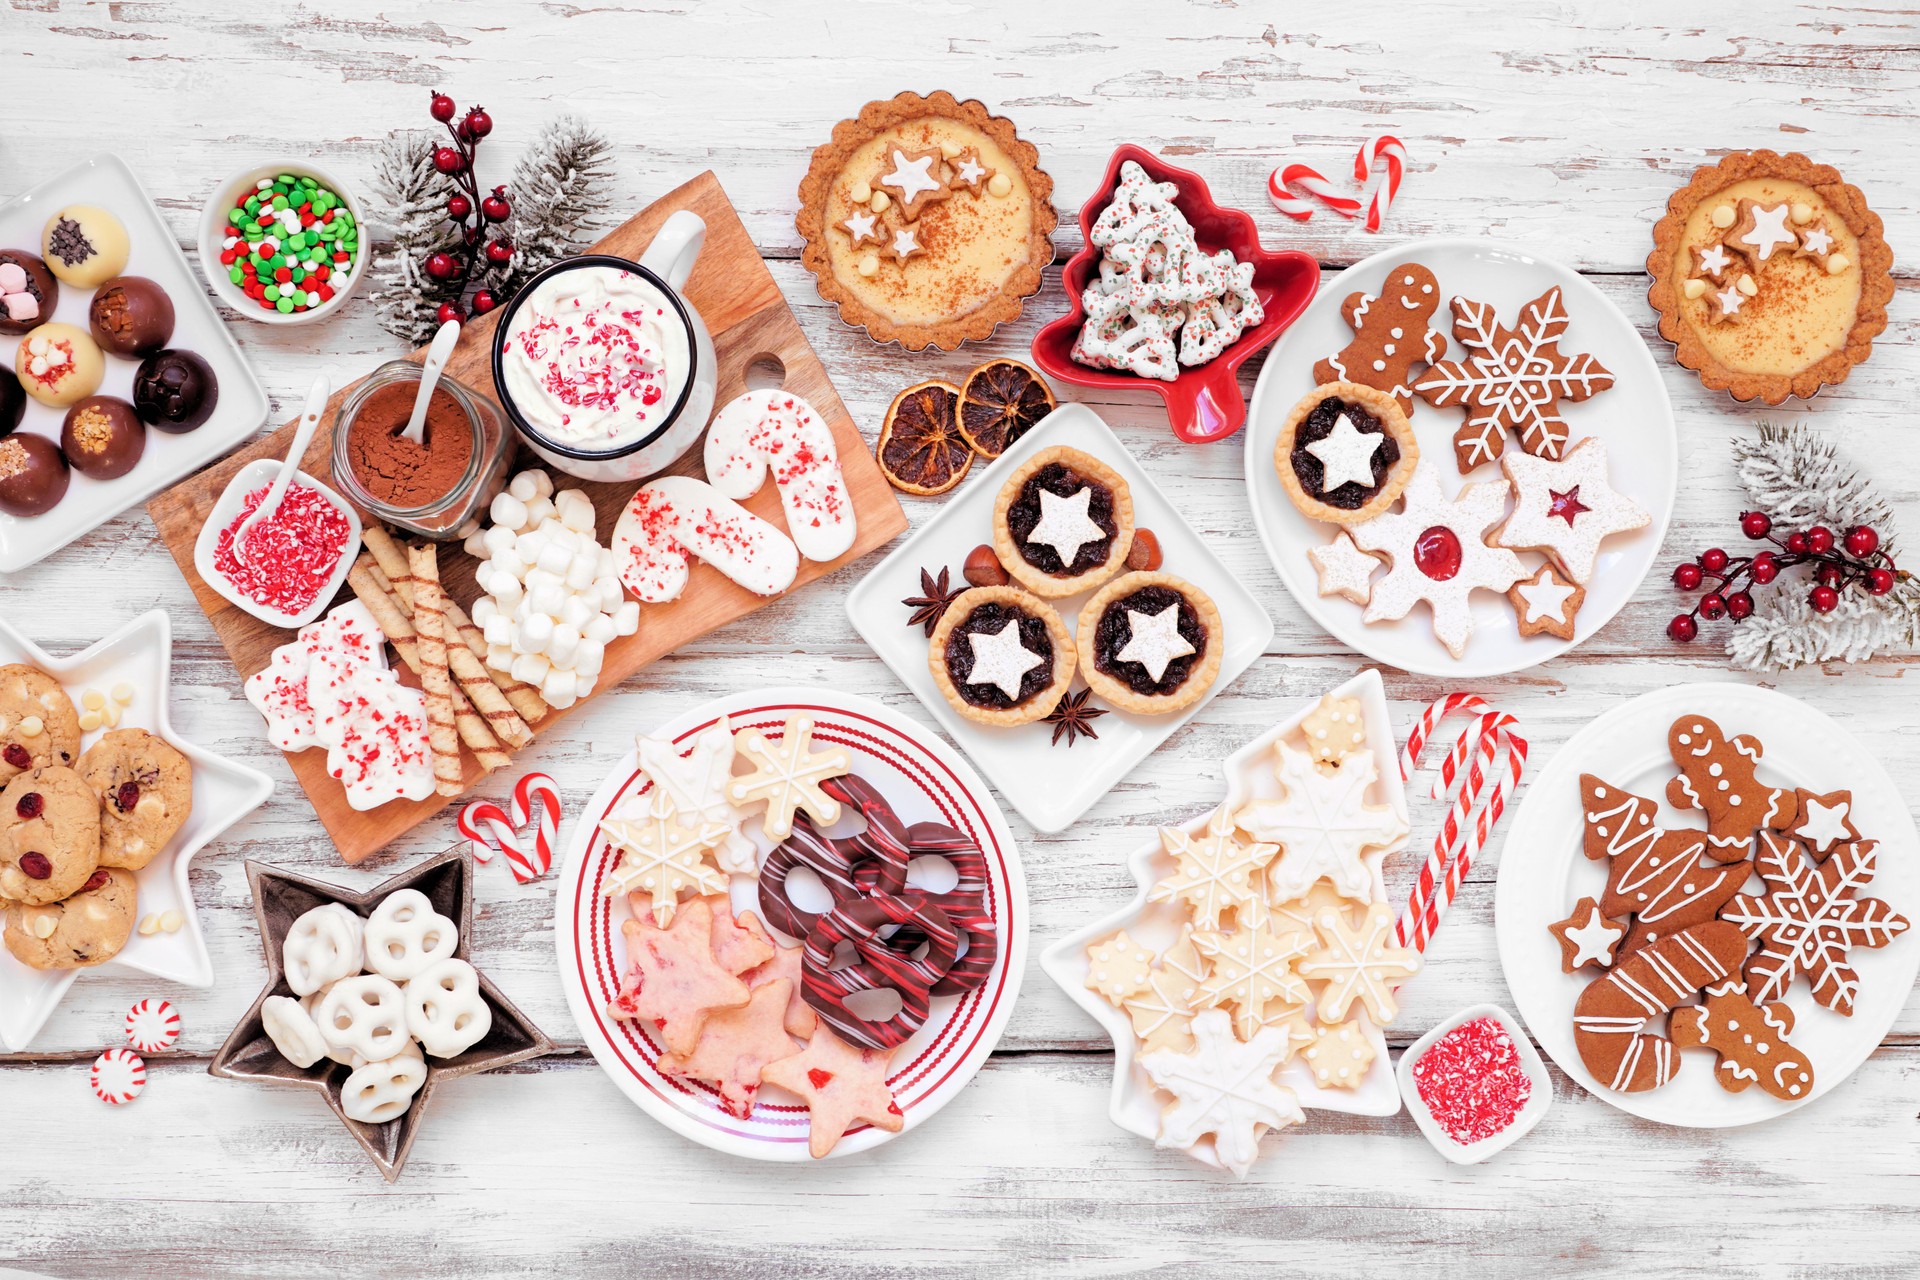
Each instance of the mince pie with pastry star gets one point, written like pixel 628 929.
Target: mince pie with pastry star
pixel 1063 522
pixel 1345 452
pixel 1150 643
pixel 1001 656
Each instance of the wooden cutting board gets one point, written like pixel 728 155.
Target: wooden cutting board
pixel 750 323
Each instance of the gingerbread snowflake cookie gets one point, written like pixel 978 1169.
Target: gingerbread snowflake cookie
pixel 1439 555
pixel 1565 508
pixel 1391 334
pixel 1513 379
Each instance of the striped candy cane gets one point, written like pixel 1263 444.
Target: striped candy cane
pixel 490 828
pixel 1479 801
pixel 1310 180
pixel 1378 192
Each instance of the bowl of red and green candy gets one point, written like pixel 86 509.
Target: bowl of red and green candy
pixel 281 242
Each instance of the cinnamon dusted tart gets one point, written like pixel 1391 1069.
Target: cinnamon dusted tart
pixel 1771 276
pixel 927 220
pixel 1345 452
pixel 1150 643
pixel 1001 656
pixel 1063 522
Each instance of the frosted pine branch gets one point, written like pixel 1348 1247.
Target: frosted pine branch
pixel 415 197
pixel 1785 632
pixel 559 191
pixel 1798 477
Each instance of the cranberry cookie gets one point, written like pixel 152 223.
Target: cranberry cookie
pixel 146 792
pixel 38 725
pixel 49 835
pixel 87 929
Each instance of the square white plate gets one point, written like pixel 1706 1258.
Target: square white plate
pixel 1633 417
pixel 1050 785
pixel 106 181
pixel 139 654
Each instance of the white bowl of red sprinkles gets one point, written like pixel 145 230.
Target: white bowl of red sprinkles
pixel 296 560
pixel 1475 1084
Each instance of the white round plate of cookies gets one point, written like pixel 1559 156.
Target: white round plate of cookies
pixel 1357 528
pixel 833 1094
pixel 1834 836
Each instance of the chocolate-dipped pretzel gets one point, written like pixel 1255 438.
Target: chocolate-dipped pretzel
pixel 867 925
pixel 965 904
pixel 827 859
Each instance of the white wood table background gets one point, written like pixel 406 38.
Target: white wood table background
pixel 1564 128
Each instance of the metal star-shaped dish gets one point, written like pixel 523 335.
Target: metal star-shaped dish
pixel 280 898
pixel 139 654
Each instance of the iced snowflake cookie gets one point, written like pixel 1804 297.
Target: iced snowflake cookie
pixel 1150 643
pixel 1439 554
pixel 1001 656
pixel 1771 276
pixel 1345 452
pixel 1063 523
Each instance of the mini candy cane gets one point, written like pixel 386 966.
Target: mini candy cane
pixel 1310 180
pixel 1379 191
pixel 1469 821
pixel 489 827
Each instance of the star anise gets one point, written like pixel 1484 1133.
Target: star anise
pixel 935 595
pixel 1074 717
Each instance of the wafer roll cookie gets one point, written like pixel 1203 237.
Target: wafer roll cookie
pixel 429 624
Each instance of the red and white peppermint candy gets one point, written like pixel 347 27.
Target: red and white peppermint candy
pixel 118 1076
pixel 152 1026
pixel 491 828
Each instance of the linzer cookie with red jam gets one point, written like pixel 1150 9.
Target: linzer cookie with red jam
pixel 1438 552
pixel 1771 276
pixel 1345 452
pixel 1150 643
pixel 1063 522
pixel 1001 656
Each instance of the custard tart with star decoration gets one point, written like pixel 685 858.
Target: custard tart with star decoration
pixel 927 220
pixel 1063 523
pixel 1150 643
pixel 1001 656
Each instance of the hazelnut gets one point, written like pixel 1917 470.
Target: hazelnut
pixel 984 568
pixel 1145 551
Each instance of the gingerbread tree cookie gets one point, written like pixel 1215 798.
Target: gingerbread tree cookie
pixel 1653 874
pixel 1717 776
pixel 1391 334
pixel 1512 380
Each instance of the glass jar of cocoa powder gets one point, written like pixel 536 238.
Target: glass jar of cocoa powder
pixel 432 488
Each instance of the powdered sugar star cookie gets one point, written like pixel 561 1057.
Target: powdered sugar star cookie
pixel 1224 1088
pixel 788 776
pixel 1546 603
pixel 1344 569
pixel 1118 967
pixel 1215 872
pixel 697 784
pixel 1438 553
pixel 1359 964
pixel 1323 822
pixel 1566 508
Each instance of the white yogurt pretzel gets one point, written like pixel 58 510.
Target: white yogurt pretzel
pixel 324 945
pixel 405 935
pixel 366 1015
pixel 445 1011
pixel 379 1091
pixel 293 1031
pixel 311 1004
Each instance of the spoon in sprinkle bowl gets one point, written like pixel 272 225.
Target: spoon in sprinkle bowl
pixel 430 371
pixel 302 437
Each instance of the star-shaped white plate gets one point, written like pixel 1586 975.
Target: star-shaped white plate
pixel 1134 1105
pixel 140 654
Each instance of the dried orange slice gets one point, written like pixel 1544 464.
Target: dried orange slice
pixel 1001 401
pixel 920 447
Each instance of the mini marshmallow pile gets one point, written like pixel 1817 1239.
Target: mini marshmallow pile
pixel 418 997
pixel 554 600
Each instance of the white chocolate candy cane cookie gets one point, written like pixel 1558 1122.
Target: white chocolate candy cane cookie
pixel 324 945
pixel 405 935
pixel 379 1091
pixel 445 1011
pixel 778 431
pixel 292 1030
pixel 366 1015
pixel 675 517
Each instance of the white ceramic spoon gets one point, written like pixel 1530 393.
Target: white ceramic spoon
pixel 436 362
pixel 302 437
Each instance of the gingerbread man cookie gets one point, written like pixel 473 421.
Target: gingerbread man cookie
pixel 1751 1040
pixel 1391 334
pixel 1717 776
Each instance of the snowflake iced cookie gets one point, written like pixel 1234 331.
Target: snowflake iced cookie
pixel 1566 508
pixel 1359 964
pixel 1323 823
pixel 1252 970
pixel 663 855
pixel 1224 1087
pixel 1586 937
pixel 696 783
pixel 1512 380
pixel 1546 603
pixel 1439 554
pixel 787 776
pixel 1163 1012
pixel 1343 569
pixel 1215 873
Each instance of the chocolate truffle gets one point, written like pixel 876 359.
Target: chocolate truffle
pixel 131 316
pixel 59 364
pixel 84 245
pixel 28 291
pixel 174 390
pixel 102 437
pixel 33 475
pixel 13 403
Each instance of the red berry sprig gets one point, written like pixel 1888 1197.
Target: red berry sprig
pixel 479 255
pixel 1857 560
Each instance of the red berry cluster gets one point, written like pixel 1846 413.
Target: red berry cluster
pixel 478 255
pixel 1855 560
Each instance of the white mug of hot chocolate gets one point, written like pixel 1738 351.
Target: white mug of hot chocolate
pixel 606 371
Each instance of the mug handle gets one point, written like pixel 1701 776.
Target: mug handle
pixel 675 247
